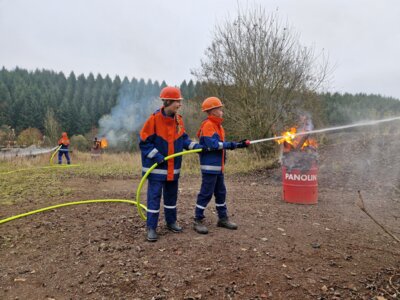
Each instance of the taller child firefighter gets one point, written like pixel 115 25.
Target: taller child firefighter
pixel 212 137
pixel 164 134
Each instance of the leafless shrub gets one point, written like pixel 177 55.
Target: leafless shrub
pixel 262 73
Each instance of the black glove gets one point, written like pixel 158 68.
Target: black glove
pixel 205 148
pixel 243 143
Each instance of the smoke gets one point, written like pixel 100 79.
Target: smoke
pixel 365 158
pixel 127 117
pixel 301 154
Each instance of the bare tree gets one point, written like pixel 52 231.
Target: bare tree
pixel 52 128
pixel 261 72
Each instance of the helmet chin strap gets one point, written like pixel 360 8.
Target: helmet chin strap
pixel 167 103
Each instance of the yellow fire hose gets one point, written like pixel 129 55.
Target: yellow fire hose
pixel 137 202
pixel 46 167
pixel 139 206
pixel 55 152
pixel 67 204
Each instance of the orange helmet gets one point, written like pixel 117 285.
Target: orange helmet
pixel 170 93
pixel 210 103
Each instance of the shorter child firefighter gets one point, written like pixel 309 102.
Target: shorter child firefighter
pixel 164 134
pixel 64 143
pixel 212 161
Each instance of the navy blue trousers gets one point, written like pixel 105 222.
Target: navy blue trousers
pixel 211 184
pixel 60 154
pixel 169 189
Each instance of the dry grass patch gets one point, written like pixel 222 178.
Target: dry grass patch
pixel 32 178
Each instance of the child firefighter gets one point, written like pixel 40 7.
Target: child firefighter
pixel 64 143
pixel 164 134
pixel 212 160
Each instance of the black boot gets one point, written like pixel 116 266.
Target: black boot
pixel 174 227
pixel 225 223
pixel 152 235
pixel 199 227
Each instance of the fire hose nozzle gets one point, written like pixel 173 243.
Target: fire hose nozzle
pixel 243 143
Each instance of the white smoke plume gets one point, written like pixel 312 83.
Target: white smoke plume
pixel 127 117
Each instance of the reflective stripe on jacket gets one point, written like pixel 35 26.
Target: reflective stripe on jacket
pixel 161 136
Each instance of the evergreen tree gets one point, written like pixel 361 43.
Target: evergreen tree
pixel 5 102
pixel 84 124
pixel 51 127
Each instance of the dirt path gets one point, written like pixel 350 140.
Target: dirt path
pixel 331 250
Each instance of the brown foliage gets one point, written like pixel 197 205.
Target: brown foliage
pixel 30 136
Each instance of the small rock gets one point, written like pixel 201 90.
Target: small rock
pixel 288 277
pixel 312 281
pixel 352 287
pixel 316 245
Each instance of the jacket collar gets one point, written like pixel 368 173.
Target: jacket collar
pixel 215 119
pixel 162 109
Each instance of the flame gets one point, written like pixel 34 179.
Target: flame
pixel 288 136
pixel 103 143
pixel 291 139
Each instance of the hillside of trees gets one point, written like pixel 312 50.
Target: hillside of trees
pixel 78 102
pixel 39 99
pixel 340 109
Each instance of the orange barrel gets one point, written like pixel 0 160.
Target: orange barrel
pixel 300 186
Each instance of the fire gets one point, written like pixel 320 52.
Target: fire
pixel 310 143
pixel 103 143
pixel 290 138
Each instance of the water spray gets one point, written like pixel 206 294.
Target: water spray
pixel 141 207
pixel 367 123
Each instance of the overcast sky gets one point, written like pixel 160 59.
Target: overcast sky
pixel 165 39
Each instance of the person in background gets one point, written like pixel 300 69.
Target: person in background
pixel 64 143
pixel 96 144
pixel 212 163
pixel 164 134
pixel 96 149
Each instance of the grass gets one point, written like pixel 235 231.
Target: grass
pixel 32 181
